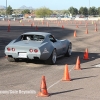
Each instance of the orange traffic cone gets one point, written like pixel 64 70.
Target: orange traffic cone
pixel 8 21
pixel 47 24
pixel 36 28
pixel 86 31
pixel 86 25
pixel 86 55
pixel 8 28
pixel 43 89
pixel 75 33
pixel 42 22
pixel 95 29
pixel 80 22
pixel 31 25
pixel 66 74
pixel 95 25
pixel 62 27
pixel 77 26
pixel 77 66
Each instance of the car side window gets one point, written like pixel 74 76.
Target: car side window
pixel 38 38
pixel 52 39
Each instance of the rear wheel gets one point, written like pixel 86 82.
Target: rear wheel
pixel 69 51
pixel 52 59
pixel 11 59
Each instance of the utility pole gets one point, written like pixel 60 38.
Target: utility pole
pixel 89 8
pixel 6 8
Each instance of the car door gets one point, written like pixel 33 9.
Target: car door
pixel 57 44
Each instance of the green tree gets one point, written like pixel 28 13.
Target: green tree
pixel 9 10
pixel 99 11
pixel 26 11
pixel 73 11
pixel 43 12
pixel 65 12
pixel 83 11
pixel 93 11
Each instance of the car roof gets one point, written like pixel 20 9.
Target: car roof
pixel 37 33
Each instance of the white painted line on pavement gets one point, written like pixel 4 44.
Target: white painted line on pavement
pixel 97 65
pixel 59 80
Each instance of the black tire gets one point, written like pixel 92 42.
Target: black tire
pixel 52 59
pixel 69 51
pixel 11 59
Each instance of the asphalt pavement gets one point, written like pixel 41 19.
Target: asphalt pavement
pixel 22 80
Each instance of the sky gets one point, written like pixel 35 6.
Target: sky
pixel 51 4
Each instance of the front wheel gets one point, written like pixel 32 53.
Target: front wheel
pixel 69 50
pixel 52 59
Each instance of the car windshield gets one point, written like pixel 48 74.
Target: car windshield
pixel 32 37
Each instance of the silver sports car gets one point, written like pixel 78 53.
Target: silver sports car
pixel 37 45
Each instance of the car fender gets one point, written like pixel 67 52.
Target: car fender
pixel 12 42
pixel 9 45
pixel 46 50
pixel 66 44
